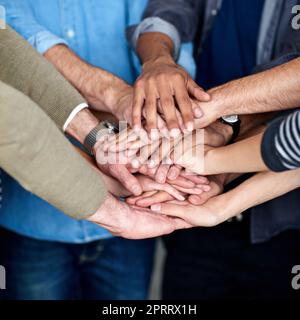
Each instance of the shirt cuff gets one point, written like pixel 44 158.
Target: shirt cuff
pixel 73 114
pixel 155 24
pixel 45 40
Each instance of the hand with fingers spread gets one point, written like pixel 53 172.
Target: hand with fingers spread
pixel 173 86
pixel 164 87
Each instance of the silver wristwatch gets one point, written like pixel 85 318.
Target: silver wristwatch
pixel 104 128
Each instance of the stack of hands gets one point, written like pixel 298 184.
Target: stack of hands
pixel 160 162
pixel 172 160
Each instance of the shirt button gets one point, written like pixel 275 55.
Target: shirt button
pixel 70 33
pixel 214 12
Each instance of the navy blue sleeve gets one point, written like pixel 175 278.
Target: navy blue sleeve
pixel 280 147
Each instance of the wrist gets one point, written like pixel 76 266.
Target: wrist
pixel 225 132
pixel 81 125
pixel 106 209
pixel 161 59
pixel 230 205
pixel 213 162
pixel 226 99
pixel 153 46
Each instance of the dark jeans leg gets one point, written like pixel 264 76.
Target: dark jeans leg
pixel 221 263
pixel 37 270
pixel 106 269
pixel 116 269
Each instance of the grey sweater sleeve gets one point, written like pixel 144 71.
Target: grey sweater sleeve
pixel 26 70
pixel 281 143
pixel 41 159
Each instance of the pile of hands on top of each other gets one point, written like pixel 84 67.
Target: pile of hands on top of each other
pixel 166 164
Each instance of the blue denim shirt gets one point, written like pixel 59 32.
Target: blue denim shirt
pixel 95 30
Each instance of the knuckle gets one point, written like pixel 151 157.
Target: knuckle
pixel 178 76
pixel 152 82
pixel 167 102
pixel 161 77
pixel 185 101
pixel 139 84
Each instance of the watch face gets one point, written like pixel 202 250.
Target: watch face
pixel 231 119
pixel 112 127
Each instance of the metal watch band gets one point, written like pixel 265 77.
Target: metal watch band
pixel 102 129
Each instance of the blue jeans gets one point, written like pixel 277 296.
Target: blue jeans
pixel 113 268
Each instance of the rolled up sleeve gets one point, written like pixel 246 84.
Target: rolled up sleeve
pixel 44 40
pixel 155 24
pixel 20 18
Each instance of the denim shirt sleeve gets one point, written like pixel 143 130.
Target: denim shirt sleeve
pixel 20 18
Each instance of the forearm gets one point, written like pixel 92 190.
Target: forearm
pixel 258 189
pixel 222 133
pixel 240 157
pixel 99 87
pixel 281 144
pixel 272 90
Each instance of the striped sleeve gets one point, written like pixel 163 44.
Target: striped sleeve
pixel 281 143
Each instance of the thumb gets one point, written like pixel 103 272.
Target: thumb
pixel 196 91
pixel 209 115
pixel 129 181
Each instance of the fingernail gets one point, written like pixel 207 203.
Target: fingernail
pixel 135 163
pixel 151 164
pixel 156 207
pixel 198 112
pixel 206 188
pixel 136 190
pixel 181 198
pixel 131 152
pixel 136 128
pixel 165 132
pixel 207 96
pixel 154 135
pixel 105 146
pixel 168 161
pixel 175 132
pixel 190 126
pixel 172 175
pixel 161 178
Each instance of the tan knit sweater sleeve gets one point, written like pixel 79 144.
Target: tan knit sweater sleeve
pixel 23 68
pixel 42 160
